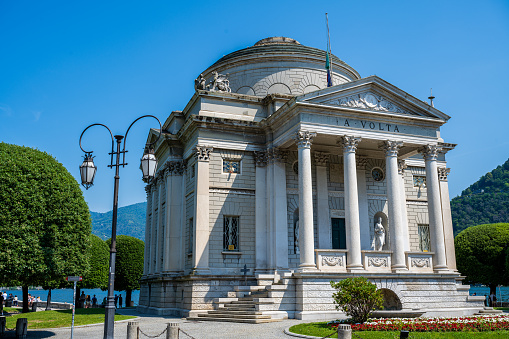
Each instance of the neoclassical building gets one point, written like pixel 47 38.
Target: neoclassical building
pixel 271 184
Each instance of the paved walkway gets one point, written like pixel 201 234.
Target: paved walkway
pixel 153 325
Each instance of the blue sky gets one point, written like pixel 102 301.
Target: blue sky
pixel 65 65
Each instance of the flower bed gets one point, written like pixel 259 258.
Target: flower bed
pixel 480 323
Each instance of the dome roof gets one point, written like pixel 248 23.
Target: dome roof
pixel 280 65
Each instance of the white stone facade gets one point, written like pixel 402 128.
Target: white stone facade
pixel 284 177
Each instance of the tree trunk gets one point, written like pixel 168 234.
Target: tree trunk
pixel 48 301
pixel 128 297
pixel 77 298
pixel 24 290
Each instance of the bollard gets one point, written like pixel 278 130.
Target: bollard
pixel 403 334
pixel 132 330
pixel 172 331
pixel 344 331
pixel 21 328
pixel 2 325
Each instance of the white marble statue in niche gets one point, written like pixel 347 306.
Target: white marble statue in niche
pixel 379 238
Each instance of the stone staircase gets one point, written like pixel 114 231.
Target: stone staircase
pixel 243 308
pixel 488 311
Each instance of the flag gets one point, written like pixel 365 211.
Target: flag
pixel 327 56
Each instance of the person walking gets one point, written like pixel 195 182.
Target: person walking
pixel 1 303
pixel 116 300
pixel 120 300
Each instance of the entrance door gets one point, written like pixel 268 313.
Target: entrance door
pixel 338 234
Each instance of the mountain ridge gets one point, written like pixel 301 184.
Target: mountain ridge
pixel 131 221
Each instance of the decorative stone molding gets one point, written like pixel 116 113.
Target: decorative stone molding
pixel 203 153
pixel 304 138
pixel 260 158
pixel 331 260
pixel 368 100
pixel 391 147
pixel 420 262
pixel 430 152
pixel 277 155
pixel 219 83
pixel 321 158
pixel 148 189
pixel 349 143
pixel 153 186
pixel 443 173
pixel 242 191
pixel 377 262
pixel 362 162
pixel 402 166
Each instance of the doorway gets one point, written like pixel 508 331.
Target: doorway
pixel 338 234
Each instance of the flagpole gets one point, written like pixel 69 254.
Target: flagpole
pixel 328 64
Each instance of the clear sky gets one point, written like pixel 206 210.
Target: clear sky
pixel 67 64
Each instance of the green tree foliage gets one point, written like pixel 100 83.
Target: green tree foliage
pixel 484 202
pixel 98 256
pixel 129 264
pixel 357 297
pixel 44 220
pixel 481 253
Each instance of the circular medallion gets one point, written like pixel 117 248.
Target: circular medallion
pixel 377 173
pixel 371 100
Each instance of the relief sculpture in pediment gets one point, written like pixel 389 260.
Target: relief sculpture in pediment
pixel 368 101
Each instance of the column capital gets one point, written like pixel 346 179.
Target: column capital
pixel 260 158
pixel 443 173
pixel 203 152
pixel 321 158
pixel 391 147
pixel 153 186
pixel 430 152
pixel 361 161
pixel 148 189
pixel 402 166
pixel 304 138
pixel 176 167
pixel 349 143
pixel 276 155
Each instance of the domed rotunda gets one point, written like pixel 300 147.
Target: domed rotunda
pixel 270 184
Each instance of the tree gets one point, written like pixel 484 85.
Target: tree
pixel 357 297
pixel 481 253
pixel 44 220
pixel 128 265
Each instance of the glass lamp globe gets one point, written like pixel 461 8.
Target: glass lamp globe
pixel 148 164
pixel 87 171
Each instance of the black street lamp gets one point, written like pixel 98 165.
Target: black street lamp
pixel 87 172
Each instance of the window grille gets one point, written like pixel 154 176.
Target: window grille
pixel 424 238
pixel 419 181
pixel 231 233
pixel 231 166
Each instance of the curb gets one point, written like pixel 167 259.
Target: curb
pixel 287 332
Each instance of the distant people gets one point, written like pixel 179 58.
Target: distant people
pixel 87 301
pixel 2 303
pixel 5 295
pixel 474 293
pixel 38 299
pixel 120 300
pixel 82 299
pixel 29 301
pixel 15 301
pixel 493 299
pixel 94 301
pixel 116 300
pixel 104 301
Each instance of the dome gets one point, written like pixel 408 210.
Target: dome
pixel 279 65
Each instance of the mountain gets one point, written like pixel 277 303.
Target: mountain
pixel 484 202
pixel 130 221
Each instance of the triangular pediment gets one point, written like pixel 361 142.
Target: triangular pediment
pixel 372 94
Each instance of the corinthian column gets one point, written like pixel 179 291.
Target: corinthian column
pixel 261 225
pixel 306 233
pixel 202 229
pixel 353 233
pixel 430 153
pixel 146 260
pixel 447 218
pixel 395 200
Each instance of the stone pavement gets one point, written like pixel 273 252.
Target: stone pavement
pixel 153 325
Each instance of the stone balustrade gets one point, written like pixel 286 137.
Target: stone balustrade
pixel 377 261
pixel 420 262
pixel 331 260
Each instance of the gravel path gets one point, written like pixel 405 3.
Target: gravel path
pixel 153 325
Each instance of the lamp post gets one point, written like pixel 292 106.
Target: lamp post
pixel 87 172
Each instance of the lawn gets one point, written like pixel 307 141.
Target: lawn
pixel 60 318
pixel 321 330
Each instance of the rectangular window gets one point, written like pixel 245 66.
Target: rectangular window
pixel 231 233
pixel 231 166
pixel 191 238
pixel 419 181
pixel 424 243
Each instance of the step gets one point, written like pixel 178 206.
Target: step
pixel 235 312
pixel 249 288
pixel 234 320
pixel 462 287
pixel 236 316
pixel 242 309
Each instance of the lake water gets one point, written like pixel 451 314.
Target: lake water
pixel 502 292
pixel 65 295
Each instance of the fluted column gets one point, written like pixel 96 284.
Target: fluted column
pixel 306 232
pixel 202 229
pixel 430 153
pixel 404 215
pixel 391 149
pixel 261 224
pixel 153 228
pixel 146 261
pixel 353 235
pixel 168 216
pixel 450 252
pixel 161 227
pixel 322 200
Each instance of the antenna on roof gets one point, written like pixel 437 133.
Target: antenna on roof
pixel 328 65
pixel 431 97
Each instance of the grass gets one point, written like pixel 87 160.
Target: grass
pixel 321 330
pixel 502 308
pixel 60 318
